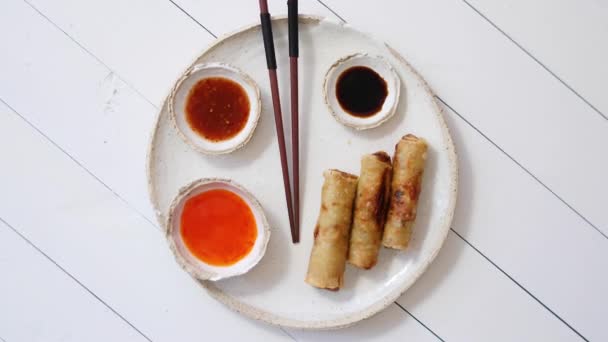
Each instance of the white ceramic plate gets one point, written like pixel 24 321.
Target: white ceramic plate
pixel 274 291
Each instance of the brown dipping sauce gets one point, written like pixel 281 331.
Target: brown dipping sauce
pixel 217 108
pixel 361 91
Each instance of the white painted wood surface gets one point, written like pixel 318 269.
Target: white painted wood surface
pixel 81 257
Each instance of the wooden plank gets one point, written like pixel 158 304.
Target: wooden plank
pixel 462 298
pixel 221 20
pixel 104 244
pixel 392 324
pixel 502 91
pixel 569 38
pixel 147 43
pixel 41 303
pixel 525 231
pixel 75 100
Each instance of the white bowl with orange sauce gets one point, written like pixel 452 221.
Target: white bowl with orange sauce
pixel 217 229
pixel 215 107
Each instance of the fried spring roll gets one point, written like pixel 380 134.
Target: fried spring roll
pixel 408 167
pixel 331 234
pixel 370 209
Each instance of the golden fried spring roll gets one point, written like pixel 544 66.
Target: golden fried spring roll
pixel 330 248
pixel 370 209
pixel 408 167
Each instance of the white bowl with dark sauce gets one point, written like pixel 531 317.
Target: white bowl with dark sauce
pixel 361 91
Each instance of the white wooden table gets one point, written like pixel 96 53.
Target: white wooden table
pixel 523 84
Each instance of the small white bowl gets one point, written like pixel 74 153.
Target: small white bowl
pixel 379 65
pixel 197 268
pixel 179 96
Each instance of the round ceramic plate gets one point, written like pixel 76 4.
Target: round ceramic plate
pixel 274 291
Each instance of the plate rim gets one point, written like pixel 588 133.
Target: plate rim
pixel 347 320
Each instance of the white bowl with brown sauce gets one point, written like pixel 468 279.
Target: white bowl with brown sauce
pixel 361 91
pixel 215 107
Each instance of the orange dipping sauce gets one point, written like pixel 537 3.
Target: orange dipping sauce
pixel 218 227
pixel 217 108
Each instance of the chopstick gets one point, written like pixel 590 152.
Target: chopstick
pixel 276 103
pixel 292 18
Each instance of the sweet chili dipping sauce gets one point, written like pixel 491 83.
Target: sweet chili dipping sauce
pixel 218 227
pixel 361 91
pixel 217 108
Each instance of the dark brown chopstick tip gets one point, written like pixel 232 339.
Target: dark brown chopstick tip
pixel 295 145
pixel 263 6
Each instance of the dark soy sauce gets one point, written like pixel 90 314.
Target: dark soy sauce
pixel 361 91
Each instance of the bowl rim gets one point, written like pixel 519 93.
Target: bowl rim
pixel 251 200
pixel 254 115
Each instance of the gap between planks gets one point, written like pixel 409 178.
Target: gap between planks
pixel 83 286
pixel 541 64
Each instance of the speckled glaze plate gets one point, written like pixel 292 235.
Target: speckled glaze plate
pixel 274 291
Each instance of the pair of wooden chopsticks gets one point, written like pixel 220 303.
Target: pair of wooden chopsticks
pixel 292 13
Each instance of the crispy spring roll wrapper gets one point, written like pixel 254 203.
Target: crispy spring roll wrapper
pixel 408 167
pixel 331 235
pixel 371 203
